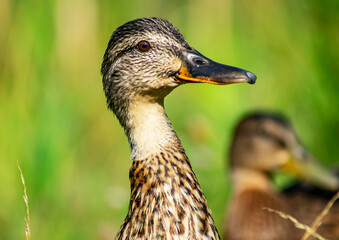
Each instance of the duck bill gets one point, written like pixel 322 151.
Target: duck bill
pixel 196 68
pixel 304 166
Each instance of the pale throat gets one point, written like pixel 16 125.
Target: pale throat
pixel 247 179
pixel 150 130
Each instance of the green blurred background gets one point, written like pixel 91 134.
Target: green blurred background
pixel 73 153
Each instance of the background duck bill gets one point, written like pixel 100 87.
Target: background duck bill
pixel 198 68
pixel 308 169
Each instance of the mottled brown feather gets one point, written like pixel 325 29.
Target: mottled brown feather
pixel 166 200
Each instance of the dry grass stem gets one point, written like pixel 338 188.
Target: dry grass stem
pixel 297 224
pixel 318 220
pixel 28 231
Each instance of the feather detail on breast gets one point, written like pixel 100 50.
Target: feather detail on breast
pixel 166 200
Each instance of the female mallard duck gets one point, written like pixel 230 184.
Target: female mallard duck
pixel 144 61
pixel 263 143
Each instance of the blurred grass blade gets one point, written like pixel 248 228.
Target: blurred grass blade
pixel 317 222
pixel 28 230
pixel 297 224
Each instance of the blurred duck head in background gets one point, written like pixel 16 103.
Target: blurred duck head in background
pixel 267 142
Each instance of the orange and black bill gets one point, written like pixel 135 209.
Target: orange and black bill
pixel 198 68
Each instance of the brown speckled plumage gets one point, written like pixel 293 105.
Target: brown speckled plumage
pixel 144 61
pixel 166 200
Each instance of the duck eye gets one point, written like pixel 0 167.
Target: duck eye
pixel 144 46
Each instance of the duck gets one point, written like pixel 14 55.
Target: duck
pixel 263 143
pixel 144 61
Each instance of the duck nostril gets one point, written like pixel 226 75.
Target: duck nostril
pixel 199 61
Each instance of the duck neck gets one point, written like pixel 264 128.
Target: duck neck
pixel 148 128
pixel 248 179
pixel 166 199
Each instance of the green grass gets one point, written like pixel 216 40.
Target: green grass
pixel 72 151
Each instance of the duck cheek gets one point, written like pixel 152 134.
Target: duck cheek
pixel 176 65
pixel 161 84
pixel 282 157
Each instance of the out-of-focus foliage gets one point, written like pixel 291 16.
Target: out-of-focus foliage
pixel 73 153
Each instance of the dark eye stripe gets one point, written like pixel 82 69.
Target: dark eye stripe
pixel 123 52
pixel 272 137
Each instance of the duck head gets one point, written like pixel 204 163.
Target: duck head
pixel 267 142
pixel 149 57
